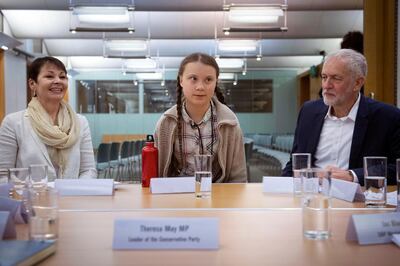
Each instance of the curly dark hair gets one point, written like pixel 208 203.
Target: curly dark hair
pixel 353 40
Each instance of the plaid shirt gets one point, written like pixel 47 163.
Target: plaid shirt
pixel 192 141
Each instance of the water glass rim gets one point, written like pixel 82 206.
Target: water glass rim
pixel 18 169
pixel 314 169
pixel 37 165
pixel 301 153
pixel 375 157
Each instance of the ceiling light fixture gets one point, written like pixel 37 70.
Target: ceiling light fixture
pixel 147 63
pixel 7 42
pixel 255 14
pixel 244 72
pixel 102 18
pixel 149 76
pixel 255 18
pixel 235 81
pixel 226 76
pixel 229 62
pixel 126 45
pixel 237 45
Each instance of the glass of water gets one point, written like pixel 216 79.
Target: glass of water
pixel 203 175
pixel 300 161
pixel 18 179
pixel 43 214
pixel 38 176
pixel 375 170
pixel 3 176
pixel 316 203
pixel 398 183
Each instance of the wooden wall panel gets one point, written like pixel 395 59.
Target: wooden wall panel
pixel 2 89
pixel 379 49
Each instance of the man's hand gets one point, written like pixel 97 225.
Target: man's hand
pixel 338 173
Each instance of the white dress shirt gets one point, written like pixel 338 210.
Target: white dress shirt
pixel 335 141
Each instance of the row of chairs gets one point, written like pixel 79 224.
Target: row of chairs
pixel 120 161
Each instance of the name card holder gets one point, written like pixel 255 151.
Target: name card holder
pixel 172 185
pixel 345 190
pixel 166 233
pixel 396 239
pixel 277 184
pixel 373 228
pixel 85 187
pixel 7 226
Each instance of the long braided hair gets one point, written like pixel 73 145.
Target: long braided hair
pixel 206 60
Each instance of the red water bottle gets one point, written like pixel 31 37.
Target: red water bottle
pixel 149 161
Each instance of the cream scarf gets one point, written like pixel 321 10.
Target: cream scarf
pixel 58 138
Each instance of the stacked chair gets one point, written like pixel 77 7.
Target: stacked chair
pixel 120 161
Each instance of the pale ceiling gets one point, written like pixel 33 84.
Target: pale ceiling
pixel 178 28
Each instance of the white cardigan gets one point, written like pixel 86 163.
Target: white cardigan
pixel 20 146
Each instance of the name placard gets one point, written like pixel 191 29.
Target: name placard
pixel 5 190
pixel 396 239
pixel 7 226
pixel 84 187
pixel 172 185
pixel 345 190
pixel 277 184
pixel 373 228
pixel 166 233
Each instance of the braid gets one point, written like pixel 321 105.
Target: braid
pixel 220 95
pixel 179 111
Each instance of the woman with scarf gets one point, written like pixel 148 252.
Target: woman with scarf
pixel 48 132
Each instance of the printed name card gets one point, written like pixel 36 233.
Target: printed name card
pixel 277 184
pixel 172 185
pixel 5 190
pixel 373 228
pixel 396 239
pixel 7 226
pixel 166 233
pixel 85 187
pixel 345 190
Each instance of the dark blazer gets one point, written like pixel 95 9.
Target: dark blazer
pixel 376 133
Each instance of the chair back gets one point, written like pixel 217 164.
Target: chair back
pixel 114 152
pixel 133 148
pixel 138 147
pixel 125 150
pixel 103 153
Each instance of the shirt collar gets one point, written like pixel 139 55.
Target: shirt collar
pixel 189 120
pixel 352 114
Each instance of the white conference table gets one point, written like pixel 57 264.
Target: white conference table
pixel 254 229
pixel 239 196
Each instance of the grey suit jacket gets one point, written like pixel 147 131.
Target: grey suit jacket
pixel 20 146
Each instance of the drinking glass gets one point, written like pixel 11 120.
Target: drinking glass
pixel 316 203
pixel 398 183
pixel 3 176
pixel 300 161
pixel 43 214
pixel 375 170
pixel 18 178
pixel 38 176
pixel 203 175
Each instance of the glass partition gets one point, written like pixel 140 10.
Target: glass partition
pixel 107 96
